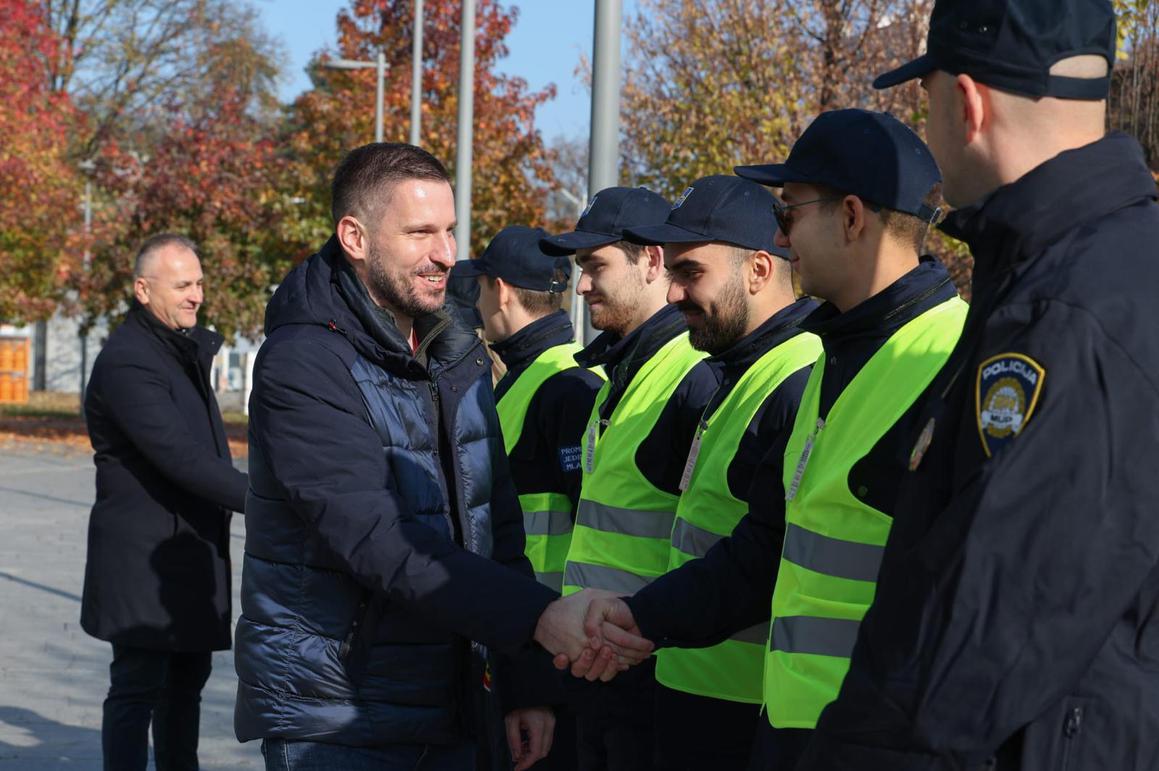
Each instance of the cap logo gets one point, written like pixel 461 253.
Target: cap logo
pixel 683 197
pixel 591 203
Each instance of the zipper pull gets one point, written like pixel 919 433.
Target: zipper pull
pixel 803 461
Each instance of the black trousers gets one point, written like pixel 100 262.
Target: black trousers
pixel 698 733
pixel 158 687
pixel 615 728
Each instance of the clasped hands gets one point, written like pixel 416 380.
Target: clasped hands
pixel 593 634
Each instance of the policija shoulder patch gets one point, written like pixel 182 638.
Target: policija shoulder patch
pixel 1005 396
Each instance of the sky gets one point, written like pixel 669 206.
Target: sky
pixel 545 47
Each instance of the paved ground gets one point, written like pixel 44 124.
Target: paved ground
pixel 53 676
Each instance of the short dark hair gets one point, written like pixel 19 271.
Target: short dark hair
pixel 366 175
pixel 154 244
pixel 904 227
pixel 538 303
pixel 631 250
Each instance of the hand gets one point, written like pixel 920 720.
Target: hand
pixel 529 735
pixel 561 627
pixel 615 640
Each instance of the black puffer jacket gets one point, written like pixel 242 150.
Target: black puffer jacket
pixel 384 532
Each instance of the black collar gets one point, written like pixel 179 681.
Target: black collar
pixel 775 330
pixel 639 345
pixel 524 346
pixel 926 285
pixel 1075 188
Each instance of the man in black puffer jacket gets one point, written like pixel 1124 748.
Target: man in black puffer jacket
pixel 384 533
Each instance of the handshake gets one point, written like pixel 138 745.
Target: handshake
pixel 593 633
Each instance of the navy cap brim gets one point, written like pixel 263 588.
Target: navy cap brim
pixel 470 268
pixel 569 243
pixel 666 233
pixel 770 174
pixel 918 68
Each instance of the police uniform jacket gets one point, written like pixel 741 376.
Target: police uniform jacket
pixel 158 571
pixel 1016 622
pixel 546 459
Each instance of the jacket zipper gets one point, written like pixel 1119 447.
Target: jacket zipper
pixel 1070 732
pixel 438 437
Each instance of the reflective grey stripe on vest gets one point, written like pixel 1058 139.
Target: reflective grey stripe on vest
pixel 832 556
pixel 692 540
pixel 820 636
pixel 758 634
pixel 551 580
pixel 611 519
pixel 603 577
pixel 546 522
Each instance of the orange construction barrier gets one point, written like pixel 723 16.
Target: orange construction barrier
pixel 14 357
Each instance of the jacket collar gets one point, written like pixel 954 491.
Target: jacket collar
pixel 918 290
pixel 524 346
pixel 637 346
pixel 1075 188
pixel 775 330
pixel 195 344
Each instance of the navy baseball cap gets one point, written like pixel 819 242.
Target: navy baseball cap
pixel 607 215
pixel 514 255
pixel 872 155
pixel 1012 44
pixel 717 208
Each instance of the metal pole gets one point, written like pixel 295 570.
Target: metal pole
pixel 463 152
pixel 604 150
pixel 378 106
pixel 86 261
pixel 416 78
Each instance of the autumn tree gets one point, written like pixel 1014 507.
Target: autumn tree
pixel 42 187
pixel 1133 105
pixel 213 172
pixel 511 166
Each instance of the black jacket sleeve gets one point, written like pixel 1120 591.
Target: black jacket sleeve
pixel 704 601
pixel 307 418
pixel 663 453
pixel 137 397
pixel 999 608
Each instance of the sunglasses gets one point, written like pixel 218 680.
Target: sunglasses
pixel 784 212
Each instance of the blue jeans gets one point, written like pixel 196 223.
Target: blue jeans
pixel 283 755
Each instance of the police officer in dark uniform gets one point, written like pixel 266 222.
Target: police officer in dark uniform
pixel 1015 624
pixel 544 400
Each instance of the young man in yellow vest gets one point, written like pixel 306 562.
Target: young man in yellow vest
pixel 859 190
pixel 544 401
pixel 735 289
pixel 633 450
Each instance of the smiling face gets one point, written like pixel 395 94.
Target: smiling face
pixel 611 285
pixel 708 286
pixel 412 247
pixel 171 286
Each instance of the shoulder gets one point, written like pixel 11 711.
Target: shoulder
pixel 576 382
pixel 698 384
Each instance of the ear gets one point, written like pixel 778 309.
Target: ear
pixel 141 290
pixel 654 257
pixel 762 267
pixel 853 218
pixel 353 238
pixel 504 296
pixel 973 106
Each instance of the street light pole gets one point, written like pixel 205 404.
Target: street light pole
pixel 379 65
pixel 604 150
pixel 463 152
pixel 87 167
pixel 416 78
pixel 578 306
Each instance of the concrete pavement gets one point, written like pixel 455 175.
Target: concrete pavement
pixel 53 677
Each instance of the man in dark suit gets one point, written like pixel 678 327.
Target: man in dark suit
pixel 157 579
